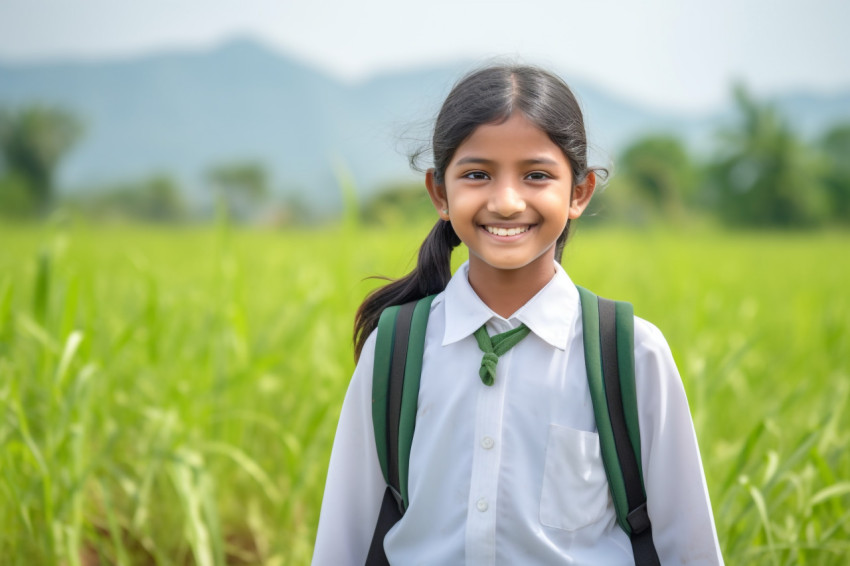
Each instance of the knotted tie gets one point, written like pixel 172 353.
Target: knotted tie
pixel 495 346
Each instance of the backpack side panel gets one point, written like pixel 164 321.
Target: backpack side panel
pixel 596 383
pixel 380 383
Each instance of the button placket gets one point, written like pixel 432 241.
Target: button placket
pixel 486 460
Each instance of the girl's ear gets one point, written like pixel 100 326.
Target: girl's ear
pixel 437 192
pixel 581 195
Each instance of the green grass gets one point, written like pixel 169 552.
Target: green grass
pixel 169 396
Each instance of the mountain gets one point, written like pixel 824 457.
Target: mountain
pixel 183 111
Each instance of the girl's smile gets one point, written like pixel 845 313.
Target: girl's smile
pixel 503 231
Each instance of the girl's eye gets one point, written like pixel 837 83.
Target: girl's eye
pixel 537 176
pixel 476 175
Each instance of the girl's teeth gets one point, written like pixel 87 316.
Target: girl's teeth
pixel 506 231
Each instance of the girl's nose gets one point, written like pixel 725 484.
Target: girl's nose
pixel 506 201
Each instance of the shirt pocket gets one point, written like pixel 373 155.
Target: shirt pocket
pixel 575 488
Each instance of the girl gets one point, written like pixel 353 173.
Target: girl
pixel 510 472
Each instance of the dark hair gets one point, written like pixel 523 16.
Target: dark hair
pixel 486 96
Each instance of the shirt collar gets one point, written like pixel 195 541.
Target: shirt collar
pixel 550 314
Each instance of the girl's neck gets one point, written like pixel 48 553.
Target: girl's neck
pixel 506 290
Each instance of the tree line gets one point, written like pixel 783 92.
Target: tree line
pixel 35 138
pixel 32 142
pixel 759 172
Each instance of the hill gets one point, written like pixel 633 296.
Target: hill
pixel 182 111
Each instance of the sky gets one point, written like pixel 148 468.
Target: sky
pixel 668 54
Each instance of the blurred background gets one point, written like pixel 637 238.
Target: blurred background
pixel 155 112
pixel 193 195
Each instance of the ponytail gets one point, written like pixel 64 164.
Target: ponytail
pixel 431 275
pixel 562 240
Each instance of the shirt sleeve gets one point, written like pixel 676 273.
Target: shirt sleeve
pixel 677 497
pixel 355 484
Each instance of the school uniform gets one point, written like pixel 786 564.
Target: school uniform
pixel 512 473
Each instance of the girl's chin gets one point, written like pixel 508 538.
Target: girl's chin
pixel 511 264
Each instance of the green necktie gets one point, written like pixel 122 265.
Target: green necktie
pixel 495 346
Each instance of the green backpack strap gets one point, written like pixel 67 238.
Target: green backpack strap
pixel 395 390
pixel 609 359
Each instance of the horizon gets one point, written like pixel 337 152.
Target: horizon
pixel 247 39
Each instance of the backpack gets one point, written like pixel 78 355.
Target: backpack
pixel 609 359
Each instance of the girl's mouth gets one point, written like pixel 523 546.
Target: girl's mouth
pixel 499 231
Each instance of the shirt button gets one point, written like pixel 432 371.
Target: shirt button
pixel 487 443
pixel 482 504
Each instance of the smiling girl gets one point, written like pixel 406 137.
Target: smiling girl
pixel 505 468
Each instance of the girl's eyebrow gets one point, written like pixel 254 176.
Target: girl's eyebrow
pixel 484 161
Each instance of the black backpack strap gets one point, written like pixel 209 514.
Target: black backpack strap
pixel 609 356
pixel 638 518
pixel 395 389
pixel 394 394
pixel 389 516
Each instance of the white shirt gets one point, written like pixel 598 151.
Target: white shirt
pixel 512 473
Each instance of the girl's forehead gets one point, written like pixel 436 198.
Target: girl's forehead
pixel 516 138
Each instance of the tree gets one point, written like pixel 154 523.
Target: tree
pixel 32 142
pixel 660 169
pixel 157 198
pixel 399 203
pixel 763 174
pixel 835 148
pixel 240 186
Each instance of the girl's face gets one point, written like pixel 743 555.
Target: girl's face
pixel 508 191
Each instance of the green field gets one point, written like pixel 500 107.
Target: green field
pixel 169 396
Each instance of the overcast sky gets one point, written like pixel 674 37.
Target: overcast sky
pixel 667 53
